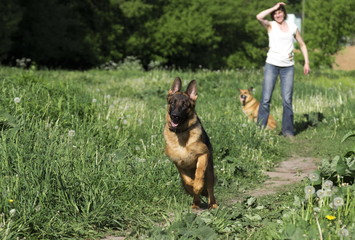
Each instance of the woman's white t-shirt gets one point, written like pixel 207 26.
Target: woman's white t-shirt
pixel 281 45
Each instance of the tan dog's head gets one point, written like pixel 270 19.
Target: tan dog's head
pixel 245 95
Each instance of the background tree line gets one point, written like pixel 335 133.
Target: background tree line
pixel 81 34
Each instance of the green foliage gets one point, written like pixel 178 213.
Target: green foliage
pixel 338 166
pixel 185 31
pixel 10 15
pixel 325 34
pixel 347 136
pixel 326 211
pixel 189 227
pixel 70 35
pixel 325 214
pixel 178 33
pixel 343 166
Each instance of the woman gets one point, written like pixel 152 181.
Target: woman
pixel 279 62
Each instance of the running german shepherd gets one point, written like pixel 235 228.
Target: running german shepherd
pixel 250 107
pixel 187 144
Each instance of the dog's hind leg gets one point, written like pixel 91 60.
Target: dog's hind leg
pixel 211 199
pixel 210 179
pixel 196 202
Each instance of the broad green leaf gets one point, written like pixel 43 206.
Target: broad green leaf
pixel 341 167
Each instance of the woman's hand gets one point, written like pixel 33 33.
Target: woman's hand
pixel 306 69
pixel 279 4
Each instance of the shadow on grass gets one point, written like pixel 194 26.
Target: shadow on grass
pixel 310 120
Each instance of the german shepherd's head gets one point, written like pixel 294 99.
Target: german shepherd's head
pixel 181 105
pixel 246 95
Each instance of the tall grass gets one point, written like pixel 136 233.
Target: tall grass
pixel 82 152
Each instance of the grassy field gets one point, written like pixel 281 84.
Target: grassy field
pixel 81 156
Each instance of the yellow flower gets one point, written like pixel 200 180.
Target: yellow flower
pixel 330 217
pixel 11 200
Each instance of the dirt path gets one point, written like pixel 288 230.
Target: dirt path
pixel 288 172
pixel 113 238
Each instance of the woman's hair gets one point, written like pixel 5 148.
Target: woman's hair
pixel 282 8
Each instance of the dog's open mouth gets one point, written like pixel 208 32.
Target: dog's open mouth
pixel 243 98
pixel 175 121
pixel 173 124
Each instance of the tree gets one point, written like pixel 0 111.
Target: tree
pixel 70 34
pixel 138 18
pixel 184 34
pixel 10 15
pixel 327 27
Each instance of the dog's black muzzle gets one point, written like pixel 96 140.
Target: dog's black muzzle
pixel 178 117
pixel 243 98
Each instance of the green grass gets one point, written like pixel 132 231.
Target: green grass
pixel 82 152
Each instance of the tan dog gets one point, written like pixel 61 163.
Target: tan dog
pixel 250 107
pixel 187 144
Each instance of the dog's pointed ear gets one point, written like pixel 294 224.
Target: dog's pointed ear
pixel 192 90
pixel 251 89
pixel 176 86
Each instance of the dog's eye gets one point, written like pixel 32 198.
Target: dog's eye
pixel 186 104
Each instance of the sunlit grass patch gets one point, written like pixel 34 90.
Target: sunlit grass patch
pixel 83 152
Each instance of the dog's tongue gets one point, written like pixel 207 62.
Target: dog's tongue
pixel 174 124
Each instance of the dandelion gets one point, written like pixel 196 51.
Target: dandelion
pixel 12 212
pixel 280 222
pixel 321 193
pixel 327 185
pixel 316 209
pixel 330 217
pixel 338 201
pixel 309 190
pixel 71 133
pixel 314 177
pixel 140 160
pixel 17 99
pixel 328 193
pixel 125 122
pixel 38 208
pixel 11 200
pixel 244 125
pixel 334 190
pixel 94 100
pixel 344 232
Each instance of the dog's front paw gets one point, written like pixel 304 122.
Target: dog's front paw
pixel 198 185
pixel 195 206
pixel 213 206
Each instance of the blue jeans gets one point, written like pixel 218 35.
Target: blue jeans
pixel 286 81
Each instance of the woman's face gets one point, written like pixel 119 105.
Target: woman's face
pixel 279 16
